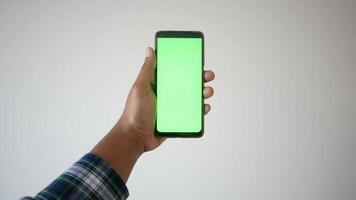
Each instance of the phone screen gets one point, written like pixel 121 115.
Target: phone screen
pixel 179 84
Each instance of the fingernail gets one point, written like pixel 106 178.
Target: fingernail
pixel 148 52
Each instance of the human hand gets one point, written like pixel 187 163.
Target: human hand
pixel 138 118
pixel 134 134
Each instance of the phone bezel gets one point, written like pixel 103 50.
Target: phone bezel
pixel 181 34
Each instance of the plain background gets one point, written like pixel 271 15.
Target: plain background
pixel 283 122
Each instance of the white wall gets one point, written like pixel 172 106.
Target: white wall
pixel 283 123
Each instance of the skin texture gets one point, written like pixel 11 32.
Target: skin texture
pixel 133 134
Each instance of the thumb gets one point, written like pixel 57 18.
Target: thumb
pixel 147 71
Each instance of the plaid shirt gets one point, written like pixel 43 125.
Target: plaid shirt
pixel 89 178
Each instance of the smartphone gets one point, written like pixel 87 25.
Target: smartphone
pixel 179 83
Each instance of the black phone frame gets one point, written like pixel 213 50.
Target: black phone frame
pixel 181 34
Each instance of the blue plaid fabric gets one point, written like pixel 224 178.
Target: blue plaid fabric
pixel 89 178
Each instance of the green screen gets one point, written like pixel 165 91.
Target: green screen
pixel 179 84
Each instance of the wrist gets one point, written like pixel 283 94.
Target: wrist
pixel 129 139
pixel 120 149
pixel 129 136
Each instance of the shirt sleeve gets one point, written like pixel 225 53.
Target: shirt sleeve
pixel 89 178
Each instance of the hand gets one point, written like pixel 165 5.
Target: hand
pixel 138 118
pixel 133 134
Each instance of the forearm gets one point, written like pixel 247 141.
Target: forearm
pixel 120 150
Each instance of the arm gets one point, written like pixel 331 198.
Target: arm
pixel 103 172
pixel 134 132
